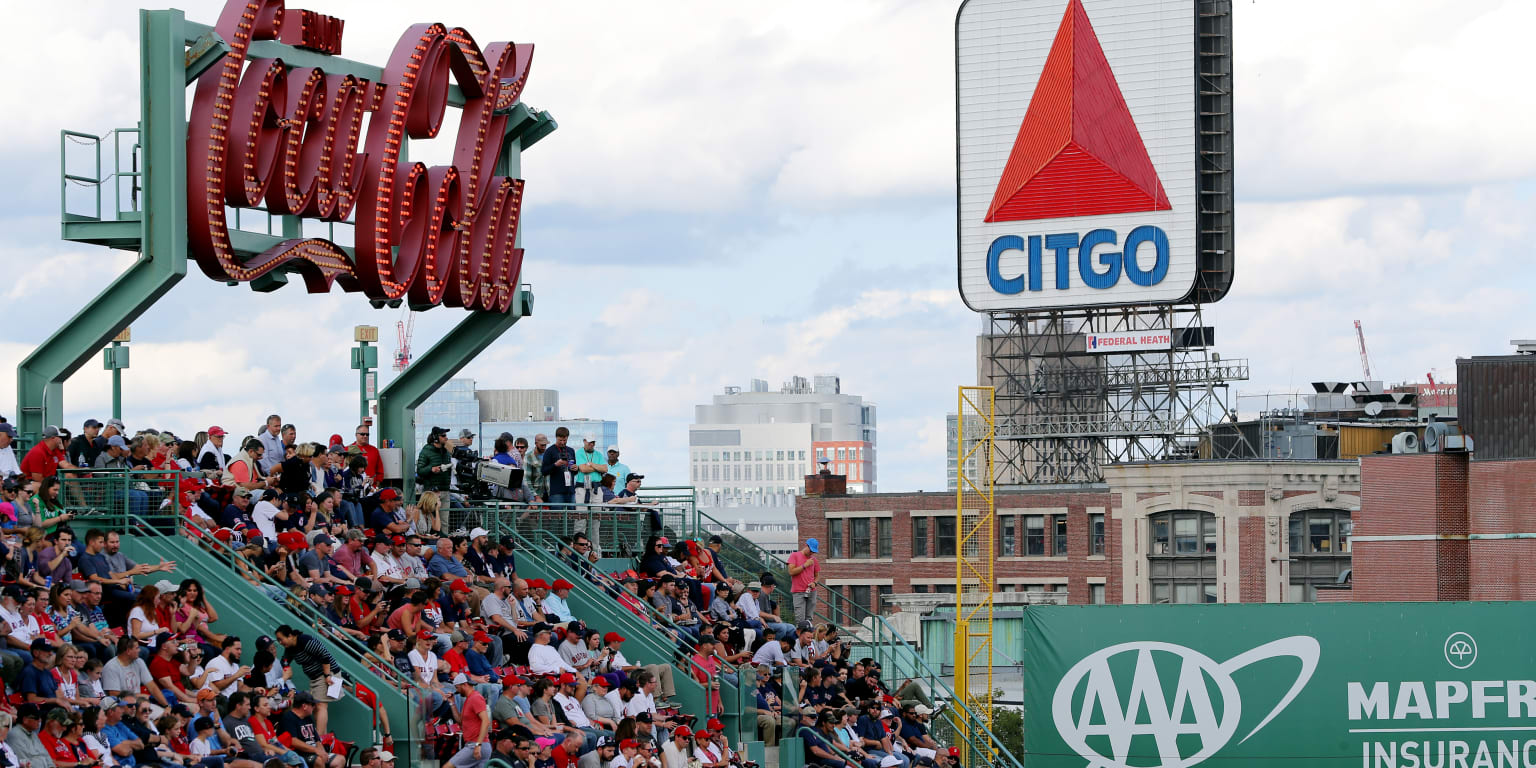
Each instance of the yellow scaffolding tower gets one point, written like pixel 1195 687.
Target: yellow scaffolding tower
pixel 975 562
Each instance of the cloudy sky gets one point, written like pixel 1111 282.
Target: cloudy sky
pixel 744 190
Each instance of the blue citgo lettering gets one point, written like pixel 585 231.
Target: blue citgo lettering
pixel 1063 244
pixel 1109 259
pixel 1009 285
pixel 1133 241
pixel 1034 262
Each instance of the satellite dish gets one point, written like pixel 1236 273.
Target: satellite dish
pixel 1373 409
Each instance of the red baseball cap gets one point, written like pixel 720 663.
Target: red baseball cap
pixel 481 637
pixel 714 724
pixel 681 730
pixel 511 680
pixel 567 678
pixel 537 584
pixel 216 432
pixel 954 751
pixel 603 681
pixel 342 589
pixel 397 539
pixel 629 744
pixel 613 637
pixel 389 494
pixel 425 635
pixel 562 584
pixel 224 535
pixel 458 585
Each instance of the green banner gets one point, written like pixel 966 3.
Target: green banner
pixel 1376 685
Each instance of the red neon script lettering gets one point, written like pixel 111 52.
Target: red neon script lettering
pixel 262 133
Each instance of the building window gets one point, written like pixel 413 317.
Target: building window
pixel 1319 540
pixel 1034 535
pixel 1005 535
pixel 834 538
pixel 802 455
pixel 1182 557
pixel 882 592
pixel 858 532
pixel 1096 534
pixel 1096 594
pixel 919 536
pixel 859 595
pixel 882 537
pixel 1059 535
pixel 919 589
pixel 944 589
pixel 780 455
pixel 944 537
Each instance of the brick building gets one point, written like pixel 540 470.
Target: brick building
pixel 1458 526
pixel 1202 531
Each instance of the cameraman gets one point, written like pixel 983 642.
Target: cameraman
pixel 464 458
pixel 434 464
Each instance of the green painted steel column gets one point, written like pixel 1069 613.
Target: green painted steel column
pixel 398 400
pixel 163 258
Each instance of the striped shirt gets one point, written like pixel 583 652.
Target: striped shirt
pixel 312 656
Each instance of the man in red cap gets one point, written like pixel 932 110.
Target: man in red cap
pixel 613 661
pixel 555 607
pixel 628 748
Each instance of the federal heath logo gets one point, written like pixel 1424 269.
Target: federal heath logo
pixel 1118 708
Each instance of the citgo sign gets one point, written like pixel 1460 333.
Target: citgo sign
pixel 1378 685
pixel 1076 152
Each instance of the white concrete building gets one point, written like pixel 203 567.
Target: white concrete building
pixel 751 449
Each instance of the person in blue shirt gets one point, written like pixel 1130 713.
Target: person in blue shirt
pixel 35 681
pixel 447 561
pixel 770 707
pixel 115 732
pixel 559 465
pixel 819 739
pixel 478 667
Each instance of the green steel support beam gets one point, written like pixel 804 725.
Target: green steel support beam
pixel 162 260
pixel 398 400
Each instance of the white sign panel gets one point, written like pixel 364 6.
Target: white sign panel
pixel 1076 152
pixel 1128 341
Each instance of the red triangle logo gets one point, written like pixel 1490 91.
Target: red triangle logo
pixel 1078 152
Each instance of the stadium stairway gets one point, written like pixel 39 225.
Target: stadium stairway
pixel 246 611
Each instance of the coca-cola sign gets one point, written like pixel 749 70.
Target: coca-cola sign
pixel 290 139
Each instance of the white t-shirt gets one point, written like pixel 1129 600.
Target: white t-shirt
pixel 573 711
pixel 426 667
pixel 145 623
pixel 220 670
pixel 640 702
pixel 23 629
pixel 388 566
pixel 770 653
pixel 748 606
pixel 265 514
pixel 619 761
pixel 545 660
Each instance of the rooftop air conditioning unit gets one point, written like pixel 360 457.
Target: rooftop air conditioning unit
pixel 1405 442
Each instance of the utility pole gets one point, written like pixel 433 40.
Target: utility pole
pixel 365 359
pixel 115 359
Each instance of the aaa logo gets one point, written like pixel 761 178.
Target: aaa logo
pixel 1119 713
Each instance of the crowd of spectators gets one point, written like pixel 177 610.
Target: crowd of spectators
pixel 102 668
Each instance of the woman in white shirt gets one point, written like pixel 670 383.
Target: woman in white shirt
pixel 427 665
pixel 141 624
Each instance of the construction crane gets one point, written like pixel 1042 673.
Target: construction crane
pixel 1365 360
pixel 403 329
